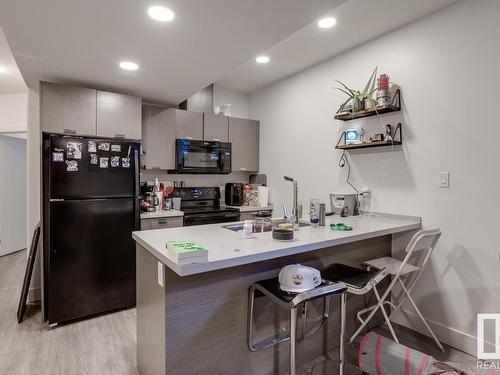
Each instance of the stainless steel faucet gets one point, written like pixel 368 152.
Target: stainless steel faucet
pixel 295 209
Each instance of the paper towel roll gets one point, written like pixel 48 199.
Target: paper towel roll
pixel 263 192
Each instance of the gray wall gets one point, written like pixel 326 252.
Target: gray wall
pixel 34 178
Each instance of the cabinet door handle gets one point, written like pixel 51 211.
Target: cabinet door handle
pixel 162 221
pixel 69 131
pixel 243 169
pixel 119 135
pixel 155 168
pixel 216 139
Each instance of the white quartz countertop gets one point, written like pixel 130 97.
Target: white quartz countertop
pixel 250 209
pixel 229 249
pixel 160 214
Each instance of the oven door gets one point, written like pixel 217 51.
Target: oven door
pixel 211 218
pixel 200 157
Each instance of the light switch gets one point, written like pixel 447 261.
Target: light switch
pixel 444 179
pixel 161 274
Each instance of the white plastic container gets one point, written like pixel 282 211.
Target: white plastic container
pixel 263 193
pixel 247 229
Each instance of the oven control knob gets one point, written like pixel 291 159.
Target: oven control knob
pixel 179 193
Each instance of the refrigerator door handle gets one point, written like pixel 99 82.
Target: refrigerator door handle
pixel 56 200
pixel 137 177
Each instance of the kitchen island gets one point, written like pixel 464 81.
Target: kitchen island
pixel 192 319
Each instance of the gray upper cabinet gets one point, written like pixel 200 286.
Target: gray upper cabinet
pixel 244 136
pixel 158 137
pixel 118 115
pixel 215 127
pixel 187 124
pixel 68 109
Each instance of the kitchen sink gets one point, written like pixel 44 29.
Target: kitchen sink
pixel 257 229
pixel 277 222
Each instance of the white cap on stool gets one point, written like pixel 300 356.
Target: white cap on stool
pixel 296 278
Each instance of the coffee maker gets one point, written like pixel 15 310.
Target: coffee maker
pixel 148 199
pixel 234 194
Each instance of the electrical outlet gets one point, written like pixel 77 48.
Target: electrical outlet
pixel 365 191
pixel 444 179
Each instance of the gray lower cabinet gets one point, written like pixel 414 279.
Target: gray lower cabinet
pixel 215 127
pixel 162 223
pixel 158 138
pixel 68 109
pixel 244 136
pixel 187 124
pixel 118 115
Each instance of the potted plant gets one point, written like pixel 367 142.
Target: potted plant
pixel 359 100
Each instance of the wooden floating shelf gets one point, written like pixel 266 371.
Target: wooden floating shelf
pixel 396 141
pixel 368 145
pixel 353 116
pixel 395 106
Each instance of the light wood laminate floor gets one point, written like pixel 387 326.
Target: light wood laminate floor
pixel 106 345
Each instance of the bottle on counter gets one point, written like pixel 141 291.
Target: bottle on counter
pixel 159 195
pixel 300 206
pixel 246 194
pixel 247 229
pixel 314 212
pixel 322 214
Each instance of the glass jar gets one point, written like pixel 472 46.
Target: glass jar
pixel 263 222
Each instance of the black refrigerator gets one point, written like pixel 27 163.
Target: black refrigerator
pixel 90 208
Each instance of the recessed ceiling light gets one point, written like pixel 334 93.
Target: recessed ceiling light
pixel 3 69
pixel 262 59
pixel 327 22
pixel 161 14
pixel 129 65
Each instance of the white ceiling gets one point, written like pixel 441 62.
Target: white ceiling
pixel 357 22
pixel 82 42
pixel 11 81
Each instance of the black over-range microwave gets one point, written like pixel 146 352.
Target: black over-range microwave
pixel 200 157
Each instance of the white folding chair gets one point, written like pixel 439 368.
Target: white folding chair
pixel 425 240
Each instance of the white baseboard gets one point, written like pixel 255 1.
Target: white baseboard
pixel 451 336
pixel 34 295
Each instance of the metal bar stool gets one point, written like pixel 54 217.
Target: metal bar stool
pixel 357 281
pixel 271 289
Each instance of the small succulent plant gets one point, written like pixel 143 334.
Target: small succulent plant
pixel 356 97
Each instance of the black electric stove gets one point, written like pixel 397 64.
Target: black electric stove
pixel 201 205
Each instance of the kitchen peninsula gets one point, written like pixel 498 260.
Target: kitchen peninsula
pixel 192 319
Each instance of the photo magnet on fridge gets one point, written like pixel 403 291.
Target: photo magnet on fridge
pixel 104 146
pixel 58 157
pixel 72 165
pixel 126 162
pixel 74 150
pixel 92 146
pixel 115 161
pixel 116 148
pixel 103 162
pixel 93 158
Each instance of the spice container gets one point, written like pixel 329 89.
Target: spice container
pixel 247 229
